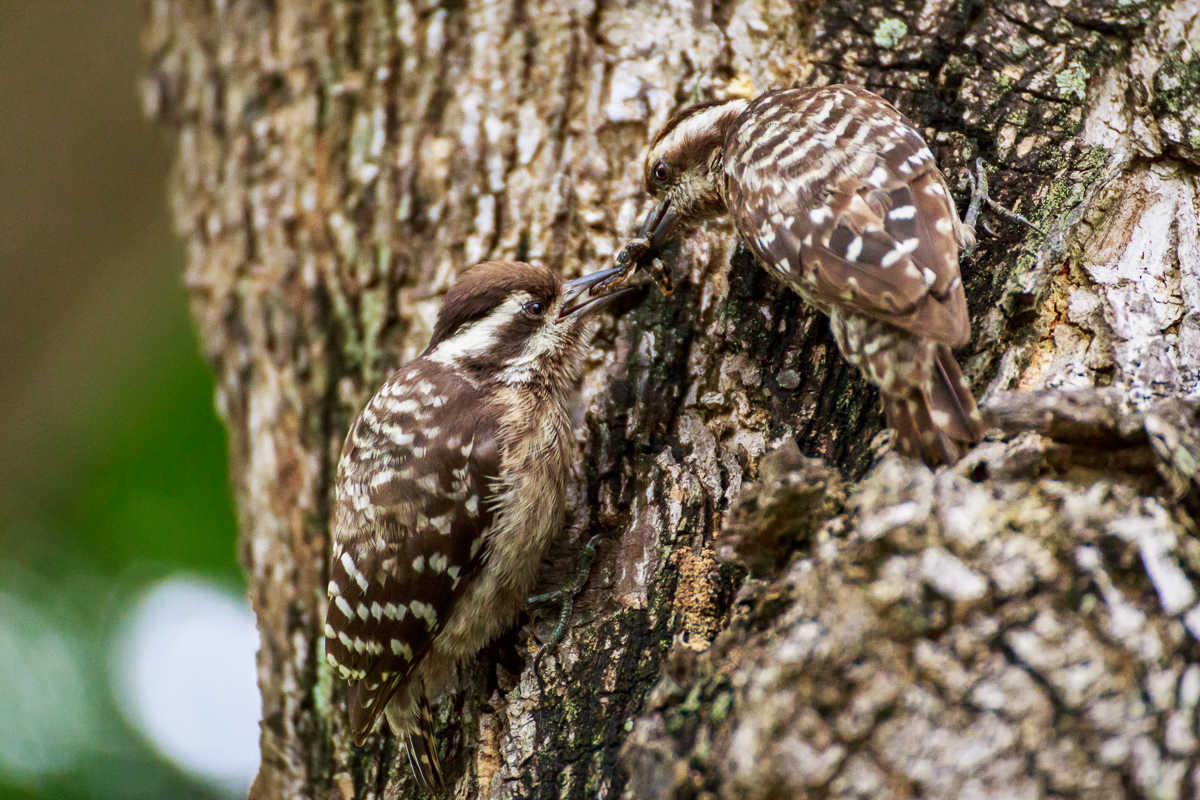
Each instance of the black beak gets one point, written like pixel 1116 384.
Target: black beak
pixel 656 229
pixel 573 289
pixel 658 226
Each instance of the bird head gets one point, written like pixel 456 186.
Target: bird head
pixel 516 323
pixel 684 170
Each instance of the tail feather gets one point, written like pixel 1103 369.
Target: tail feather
pixel 411 719
pixel 938 425
pixel 917 436
pixel 950 393
pixel 420 747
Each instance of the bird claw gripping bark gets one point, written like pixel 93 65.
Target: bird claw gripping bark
pixel 566 598
pixel 979 197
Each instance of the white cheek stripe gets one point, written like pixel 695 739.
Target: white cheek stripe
pixel 479 336
pixel 551 338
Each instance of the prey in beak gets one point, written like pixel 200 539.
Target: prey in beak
pixel 643 250
pixel 578 288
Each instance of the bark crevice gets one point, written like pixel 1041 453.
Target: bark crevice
pixel 338 163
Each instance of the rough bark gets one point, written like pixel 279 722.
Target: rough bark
pixel 1022 625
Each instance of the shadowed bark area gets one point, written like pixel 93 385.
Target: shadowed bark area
pixel 825 618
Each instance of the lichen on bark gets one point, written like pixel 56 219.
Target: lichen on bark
pixel 1020 624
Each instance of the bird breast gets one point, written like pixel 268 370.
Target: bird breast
pixel 537 444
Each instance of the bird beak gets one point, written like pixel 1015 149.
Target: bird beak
pixel 656 229
pixel 573 289
pixel 658 226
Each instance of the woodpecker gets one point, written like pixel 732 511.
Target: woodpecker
pixel 450 488
pixel 835 191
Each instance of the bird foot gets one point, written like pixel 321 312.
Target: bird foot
pixel 566 598
pixel 979 198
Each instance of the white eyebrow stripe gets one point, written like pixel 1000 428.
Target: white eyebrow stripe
pixel 479 336
pixel 696 125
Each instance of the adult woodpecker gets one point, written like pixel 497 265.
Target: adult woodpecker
pixel 836 192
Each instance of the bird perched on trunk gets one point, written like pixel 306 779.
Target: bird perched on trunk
pixel 837 193
pixel 450 488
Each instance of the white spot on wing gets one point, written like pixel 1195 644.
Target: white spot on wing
pixel 899 251
pixel 353 572
pixel 854 249
pixel 823 114
pixel 402 406
pixel 396 433
pixel 424 611
pixel 382 477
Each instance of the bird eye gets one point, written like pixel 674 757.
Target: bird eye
pixel 535 308
pixel 661 171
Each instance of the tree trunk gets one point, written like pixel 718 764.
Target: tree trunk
pixel 1022 625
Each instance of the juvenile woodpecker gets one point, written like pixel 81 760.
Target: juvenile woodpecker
pixel 835 191
pixel 450 488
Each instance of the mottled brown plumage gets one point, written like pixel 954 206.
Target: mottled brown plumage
pixel 836 192
pixel 450 488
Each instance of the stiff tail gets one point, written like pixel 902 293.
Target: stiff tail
pixel 935 426
pixel 414 726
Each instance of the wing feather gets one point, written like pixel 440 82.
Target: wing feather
pixel 413 504
pixel 863 220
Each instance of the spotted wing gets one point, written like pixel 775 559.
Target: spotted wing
pixel 412 509
pixel 838 193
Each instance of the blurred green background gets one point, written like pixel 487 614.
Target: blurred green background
pixel 112 461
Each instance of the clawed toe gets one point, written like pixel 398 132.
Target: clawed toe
pixel 980 197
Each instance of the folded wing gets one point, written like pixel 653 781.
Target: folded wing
pixel 837 192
